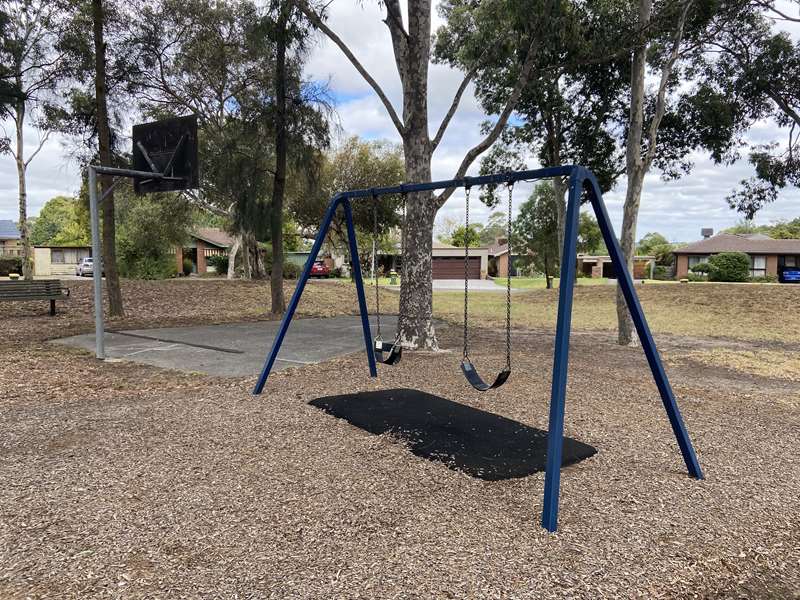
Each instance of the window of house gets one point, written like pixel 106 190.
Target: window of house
pixel 789 261
pixel 57 256
pixel 696 259
pixel 758 266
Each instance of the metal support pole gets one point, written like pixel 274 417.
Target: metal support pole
pixel 555 436
pixel 362 301
pixel 298 292
pixel 645 336
pixel 97 267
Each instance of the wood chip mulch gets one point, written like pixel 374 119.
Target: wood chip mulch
pixel 123 480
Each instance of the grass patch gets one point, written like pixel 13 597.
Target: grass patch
pixel 713 310
pixel 772 364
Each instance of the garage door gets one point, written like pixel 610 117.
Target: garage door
pixel 452 267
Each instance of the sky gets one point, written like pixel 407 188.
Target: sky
pixel 677 209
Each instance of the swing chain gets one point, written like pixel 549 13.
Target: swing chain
pixel 375 266
pixel 508 280
pixel 466 274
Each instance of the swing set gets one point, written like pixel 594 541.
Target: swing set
pixel 581 180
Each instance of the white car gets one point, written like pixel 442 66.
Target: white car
pixel 84 267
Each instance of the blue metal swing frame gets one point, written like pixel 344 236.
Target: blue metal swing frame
pixel 580 180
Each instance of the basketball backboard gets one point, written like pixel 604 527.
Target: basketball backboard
pixel 168 147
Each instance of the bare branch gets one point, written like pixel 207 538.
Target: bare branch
pixel 320 24
pixel 42 142
pixel 770 7
pixel 453 107
pixel 661 98
pixel 491 137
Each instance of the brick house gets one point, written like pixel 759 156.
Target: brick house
pixel 203 243
pixel 601 266
pixel 768 256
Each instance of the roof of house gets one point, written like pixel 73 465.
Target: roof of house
pixel 498 249
pixel 591 257
pixel 8 230
pixel 732 242
pixel 213 235
pixel 438 244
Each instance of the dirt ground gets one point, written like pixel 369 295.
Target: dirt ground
pixel 122 480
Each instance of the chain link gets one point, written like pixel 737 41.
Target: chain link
pixel 508 281
pixel 466 276
pixel 375 265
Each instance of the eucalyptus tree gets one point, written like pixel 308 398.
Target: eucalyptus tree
pixel 569 111
pixel 32 66
pixel 219 62
pixel 499 23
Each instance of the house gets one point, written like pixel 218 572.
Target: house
pixel 9 238
pixel 768 256
pixel 203 243
pixel 601 266
pixel 58 260
pixel 500 260
pixel 447 262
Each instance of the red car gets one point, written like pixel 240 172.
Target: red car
pixel 320 269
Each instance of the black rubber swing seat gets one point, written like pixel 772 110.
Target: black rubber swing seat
pixel 476 381
pixel 394 349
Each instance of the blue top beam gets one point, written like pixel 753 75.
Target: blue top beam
pixel 510 177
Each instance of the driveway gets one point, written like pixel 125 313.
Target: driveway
pixel 475 285
pixel 236 349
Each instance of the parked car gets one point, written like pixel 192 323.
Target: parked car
pixel 320 269
pixel 85 267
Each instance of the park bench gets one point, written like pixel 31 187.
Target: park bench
pixel 40 289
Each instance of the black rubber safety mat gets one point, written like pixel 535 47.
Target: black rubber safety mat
pixel 477 442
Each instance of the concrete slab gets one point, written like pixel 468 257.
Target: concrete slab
pixel 236 349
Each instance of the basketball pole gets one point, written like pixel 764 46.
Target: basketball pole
pixel 97 257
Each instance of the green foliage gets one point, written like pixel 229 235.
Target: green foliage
pixel 691 276
pixel 10 264
pixel 291 270
pixel 779 230
pixel 188 265
pixel 535 230
pixel 662 273
pixel 764 279
pixel 463 237
pixel 590 238
pixel 148 229
pixel 61 222
pixel 219 262
pixel 496 227
pixel 729 266
pixel 655 244
pixel 703 268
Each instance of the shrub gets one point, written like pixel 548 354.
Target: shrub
pixel 337 272
pixel 764 279
pixel 10 264
pixel 187 266
pixel 219 262
pixel 291 270
pixel 696 277
pixel 662 273
pixel 729 266
pixel 702 268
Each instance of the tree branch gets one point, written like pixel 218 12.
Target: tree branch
pixel 453 107
pixel 42 142
pixel 491 137
pixel 317 21
pixel 661 98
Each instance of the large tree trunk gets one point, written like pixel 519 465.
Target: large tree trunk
pixel 24 230
pixel 109 263
pixel 416 286
pixel 281 149
pixel 635 168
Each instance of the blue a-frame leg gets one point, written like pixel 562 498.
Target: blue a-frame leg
pixel 580 180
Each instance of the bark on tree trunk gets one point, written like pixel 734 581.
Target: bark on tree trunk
pixel 237 242
pixel 561 215
pixel 24 237
pixel 109 264
pixel 416 289
pixel 279 184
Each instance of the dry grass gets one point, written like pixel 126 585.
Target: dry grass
pixel 123 480
pixel 771 364
pixel 747 312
